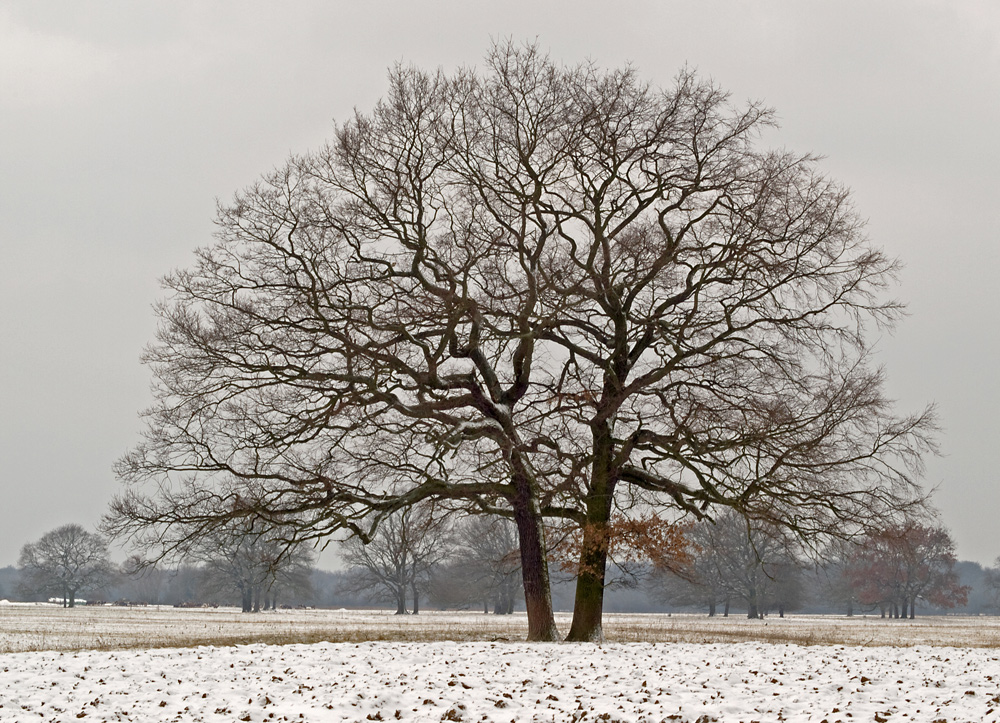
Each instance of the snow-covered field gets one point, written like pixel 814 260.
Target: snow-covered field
pixel 504 682
pixel 488 681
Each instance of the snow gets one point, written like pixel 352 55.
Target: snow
pixel 443 666
pixel 504 682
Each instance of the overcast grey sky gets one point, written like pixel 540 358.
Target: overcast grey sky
pixel 122 122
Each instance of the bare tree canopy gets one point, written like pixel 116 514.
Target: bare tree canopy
pixel 487 563
pixel 256 560
pixel 66 562
pixel 533 290
pixel 395 563
pixel 735 559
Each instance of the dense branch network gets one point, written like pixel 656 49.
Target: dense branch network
pixel 536 291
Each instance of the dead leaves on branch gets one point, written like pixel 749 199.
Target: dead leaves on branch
pixel 647 539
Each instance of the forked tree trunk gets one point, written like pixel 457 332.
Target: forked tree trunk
pixel 534 563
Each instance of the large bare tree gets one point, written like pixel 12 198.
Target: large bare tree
pixel 535 290
pixel 66 561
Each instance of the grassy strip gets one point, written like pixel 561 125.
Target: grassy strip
pixel 34 629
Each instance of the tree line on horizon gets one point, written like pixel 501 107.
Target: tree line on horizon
pixel 473 564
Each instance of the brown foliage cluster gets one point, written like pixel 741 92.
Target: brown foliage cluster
pixel 649 538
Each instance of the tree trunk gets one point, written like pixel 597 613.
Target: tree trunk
pixel 913 605
pixel 401 600
pixel 416 598
pixel 752 611
pixel 850 607
pixel 903 609
pixel 534 563
pixel 725 612
pixel 588 606
pixel 711 609
pixel 781 610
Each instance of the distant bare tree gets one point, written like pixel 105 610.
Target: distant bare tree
pixel 142 583
pixel 736 559
pixel 488 562
pixel 536 291
pixel 991 580
pixel 395 563
pixel 832 576
pixel 253 560
pixel 67 561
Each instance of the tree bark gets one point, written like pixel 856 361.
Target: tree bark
pixel 416 598
pixel 534 563
pixel 588 606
